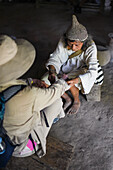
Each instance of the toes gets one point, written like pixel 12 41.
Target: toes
pixel 74 109
pixel 71 111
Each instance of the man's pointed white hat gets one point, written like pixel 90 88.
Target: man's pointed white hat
pixel 77 31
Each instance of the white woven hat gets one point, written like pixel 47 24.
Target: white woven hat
pixel 16 57
pixel 76 31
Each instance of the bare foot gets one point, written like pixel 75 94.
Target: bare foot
pixel 68 101
pixel 75 107
pixel 67 104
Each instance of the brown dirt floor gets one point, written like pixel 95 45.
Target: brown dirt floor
pixel 90 132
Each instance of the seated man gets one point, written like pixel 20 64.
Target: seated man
pixel 29 114
pixel 75 58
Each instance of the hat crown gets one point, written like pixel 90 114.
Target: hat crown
pixel 77 31
pixel 74 21
pixel 8 49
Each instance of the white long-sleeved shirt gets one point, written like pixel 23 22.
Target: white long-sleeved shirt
pixel 74 67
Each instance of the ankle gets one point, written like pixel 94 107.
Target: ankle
pixel 76 100
pixel 67 98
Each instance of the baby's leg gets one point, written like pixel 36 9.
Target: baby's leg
pixel 76 104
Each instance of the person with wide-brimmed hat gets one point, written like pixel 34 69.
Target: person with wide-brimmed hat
pixel 76 58
pixel 31 111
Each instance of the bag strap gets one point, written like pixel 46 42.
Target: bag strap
pixel 11 91
pixel 8 94
pixel 75 54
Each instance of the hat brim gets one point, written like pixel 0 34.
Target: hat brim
pixel 20 64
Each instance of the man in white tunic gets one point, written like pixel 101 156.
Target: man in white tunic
pixel 76 59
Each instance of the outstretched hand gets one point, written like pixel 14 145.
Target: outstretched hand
pixel 37 83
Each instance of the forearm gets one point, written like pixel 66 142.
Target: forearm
pixel 49 95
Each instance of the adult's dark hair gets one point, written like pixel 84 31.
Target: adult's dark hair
pixel 86 43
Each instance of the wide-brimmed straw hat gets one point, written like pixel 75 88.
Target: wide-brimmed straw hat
pixel 76 31
pixel 16 57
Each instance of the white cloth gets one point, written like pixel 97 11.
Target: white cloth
pixel 74 67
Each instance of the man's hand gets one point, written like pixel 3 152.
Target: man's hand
pixel 63 76
pixel 37 83
pixel 52 78
pixel 73 81
pixel 52 74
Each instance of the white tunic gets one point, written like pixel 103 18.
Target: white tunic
pixel 74 67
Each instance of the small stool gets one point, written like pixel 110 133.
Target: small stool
pixel 95 93
pixel 103 55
